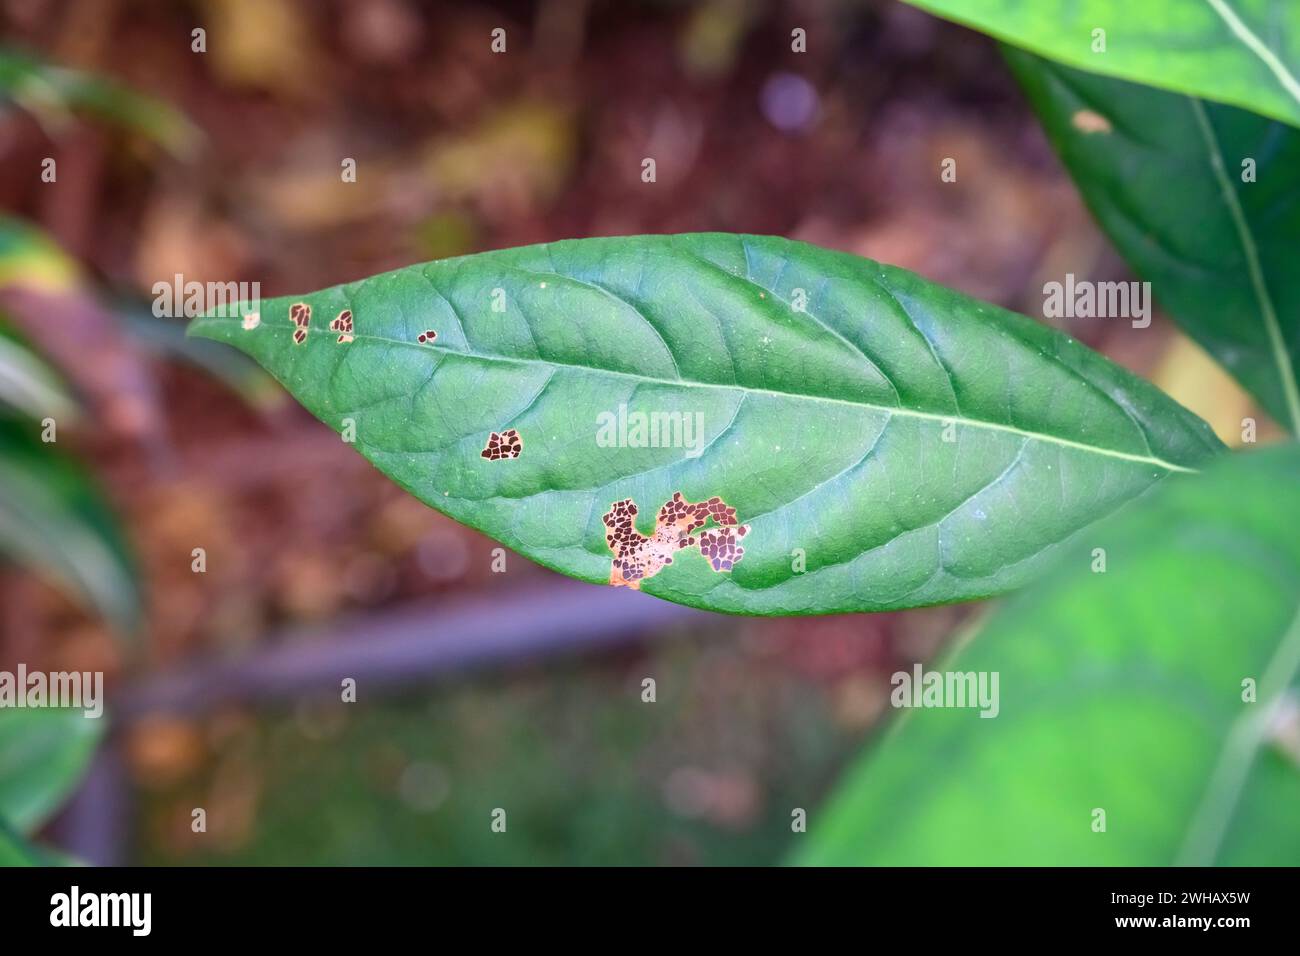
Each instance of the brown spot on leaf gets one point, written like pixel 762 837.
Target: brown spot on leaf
pixel 428 336
pixel 637 557
pixel 507 444
pixel 1090 121
pixel 300 313
pixel 342 324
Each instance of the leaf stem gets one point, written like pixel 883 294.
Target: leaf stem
pixel 1286 372
pixel 1205 835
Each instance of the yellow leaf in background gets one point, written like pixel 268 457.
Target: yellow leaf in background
pixel 514 160
pixel 30 260
pixel 307 198
pixel 1188 374
pixel 262 44
pixel 447 234
pixel 711 41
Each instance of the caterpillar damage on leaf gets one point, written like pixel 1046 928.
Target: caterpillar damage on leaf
pixel 637 557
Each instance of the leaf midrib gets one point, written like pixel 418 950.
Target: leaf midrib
pixel 751 390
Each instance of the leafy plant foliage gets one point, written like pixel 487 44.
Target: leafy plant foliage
pixel 54 517
pixel 1241 52
pixel 1203 201
pixel 43 753
pixel 1148 714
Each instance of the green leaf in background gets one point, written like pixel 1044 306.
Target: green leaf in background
pixel 15 851
pixel 51 93
pixel 27 384
pixel 1120 691
pixel 1242 52
pixel 44 752
pixel 166 338
pixel 886 442
pixel 31 260
pixel 54 518
pixel 1163 174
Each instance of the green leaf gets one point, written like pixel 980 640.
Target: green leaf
pixel 51 93
pixel 15 851
pixel 54 518
pixel 1120 691
pixel 1242 52
pixel 44 753
pixel 895 444
pixel 1163 174
pixel 27 384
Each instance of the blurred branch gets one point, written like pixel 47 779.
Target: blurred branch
pixel 410 646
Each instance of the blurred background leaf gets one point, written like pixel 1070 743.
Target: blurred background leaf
pixel 46 287
pixel 15 851
pixel 43 754
pixel 1242 52
pixel 53 94
pixel 166 338
pixel 27 384
pixel 31 259
pixel 53 517
pixel 1120 691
